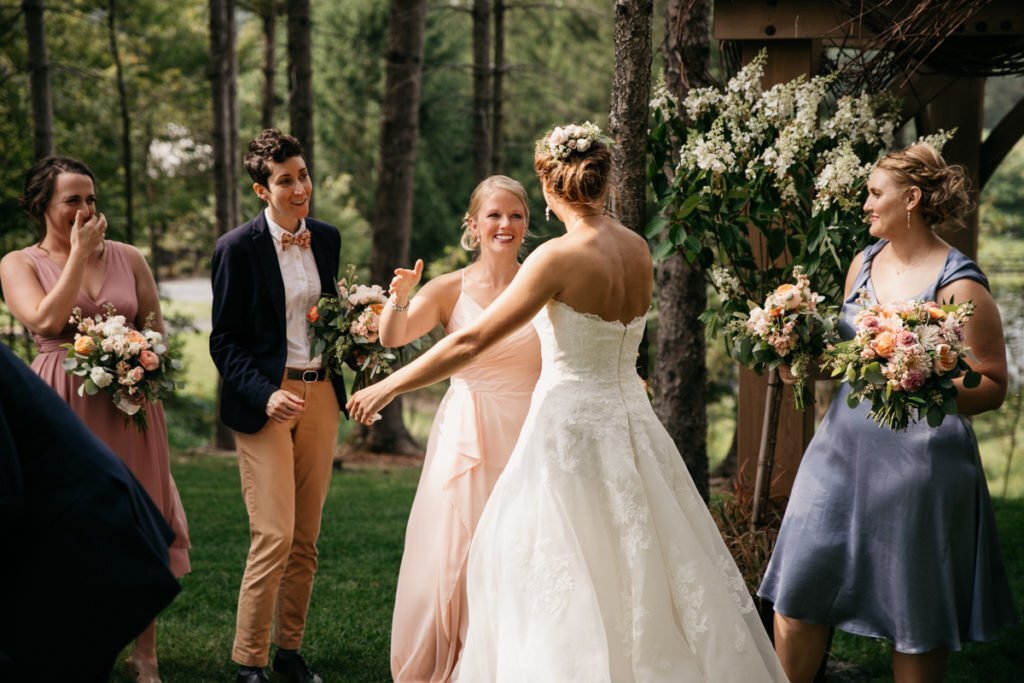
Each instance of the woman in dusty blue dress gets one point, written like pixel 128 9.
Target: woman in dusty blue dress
pixel 891 534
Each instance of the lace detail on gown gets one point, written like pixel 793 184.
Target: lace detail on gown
pixel 595 559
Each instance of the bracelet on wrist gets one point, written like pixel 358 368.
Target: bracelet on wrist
pixel 399 309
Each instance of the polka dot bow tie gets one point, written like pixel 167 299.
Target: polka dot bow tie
pixel 300 240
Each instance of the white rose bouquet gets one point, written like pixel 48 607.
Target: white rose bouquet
pixel 345 330
pixel 133 366
pixel 788 328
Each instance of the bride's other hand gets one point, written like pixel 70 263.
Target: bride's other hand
pixel 404 281
pixel 365 405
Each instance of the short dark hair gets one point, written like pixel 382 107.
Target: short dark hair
pixel 270 145
pixel 40 181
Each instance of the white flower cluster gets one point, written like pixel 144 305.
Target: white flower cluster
pixel 839 176
pixel 776 133
pixel 564 140
pixel 727 284
pixel 361 295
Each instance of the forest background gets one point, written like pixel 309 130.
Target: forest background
pixel 131 90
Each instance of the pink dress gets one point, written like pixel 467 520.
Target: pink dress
pixel 474 432
pixel 145 454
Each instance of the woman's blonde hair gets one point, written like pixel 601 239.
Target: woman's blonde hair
pixel 471 241
pixel 943 186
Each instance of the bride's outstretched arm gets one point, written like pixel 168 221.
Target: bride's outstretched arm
pixel 536 283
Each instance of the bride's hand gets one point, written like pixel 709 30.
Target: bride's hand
pixel 365 405
pixel 404 281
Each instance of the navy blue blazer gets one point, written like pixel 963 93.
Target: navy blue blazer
pixel 248 341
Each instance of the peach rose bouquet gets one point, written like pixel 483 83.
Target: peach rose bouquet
pixel 903 359
pixel 790 328
pixel 133 366
pixel 345 329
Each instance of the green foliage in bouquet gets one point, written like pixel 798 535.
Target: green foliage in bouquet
pixel 345 329
pixel 132 366
pixel 903 360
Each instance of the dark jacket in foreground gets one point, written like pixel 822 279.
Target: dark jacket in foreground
pixel 84 566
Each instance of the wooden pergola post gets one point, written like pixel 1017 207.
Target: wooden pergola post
pixel 794 32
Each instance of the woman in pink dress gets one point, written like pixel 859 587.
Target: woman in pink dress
pixel 73 265
pixel 474 431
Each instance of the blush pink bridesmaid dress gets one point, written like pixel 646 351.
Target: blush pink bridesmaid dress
pixel 473 434
pixel 145 454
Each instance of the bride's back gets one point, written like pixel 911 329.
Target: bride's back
pixel 608 271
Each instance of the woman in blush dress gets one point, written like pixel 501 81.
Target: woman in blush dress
pixel 595 559
pixel 474 431
pixel 890 534
pixel 71 266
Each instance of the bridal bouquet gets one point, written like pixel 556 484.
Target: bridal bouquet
pixel 788 328
pixel 133 366
pixel 903 359
pixel 345 330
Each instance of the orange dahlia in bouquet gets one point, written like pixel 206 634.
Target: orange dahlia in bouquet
pixel 903 359
pixel 789 328
pixel 133 366
pixel 346 330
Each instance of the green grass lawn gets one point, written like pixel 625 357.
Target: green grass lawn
pixel 348 633
pixel 360 551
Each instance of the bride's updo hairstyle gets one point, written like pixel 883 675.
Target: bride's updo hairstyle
pixel 943 186
pixel 574 163
pixel 471 241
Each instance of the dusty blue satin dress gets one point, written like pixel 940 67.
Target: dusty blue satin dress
pixel 891 534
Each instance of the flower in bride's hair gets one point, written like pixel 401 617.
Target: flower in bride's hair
pixel 565 140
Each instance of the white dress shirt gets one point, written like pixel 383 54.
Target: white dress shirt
pixel 301 290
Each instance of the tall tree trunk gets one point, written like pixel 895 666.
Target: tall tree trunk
pixel 269 62
pixel 126 125
pixel 300 80
pixel 39 78
pixel 481 89
pixel 497 83
pixel 680 373
pixel 396 170
pixel 222 75
pixel 631 92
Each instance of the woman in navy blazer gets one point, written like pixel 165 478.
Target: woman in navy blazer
pixel 266 275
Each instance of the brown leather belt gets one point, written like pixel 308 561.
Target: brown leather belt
pixel 311 375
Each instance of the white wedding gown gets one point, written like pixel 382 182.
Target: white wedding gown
pixel 595 560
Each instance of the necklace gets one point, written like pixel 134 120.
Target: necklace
pixel 581 217
pixel 908 267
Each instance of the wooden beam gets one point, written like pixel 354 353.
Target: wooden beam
pixel 999 142
pixel 919 91
pixel 789 19
pixel 961 107
pixel 787 59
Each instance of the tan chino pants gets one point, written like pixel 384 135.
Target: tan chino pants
pixel 286 471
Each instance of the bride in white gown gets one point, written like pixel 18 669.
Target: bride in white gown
pixel 595 560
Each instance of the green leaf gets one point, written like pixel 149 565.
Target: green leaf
pixel 873 373
pixel 663 251
pixel 949 405
pixel 852 400
pixel 935 416
pixel 655 226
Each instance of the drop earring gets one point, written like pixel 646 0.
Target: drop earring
pixel 908 219
pixel 547 213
